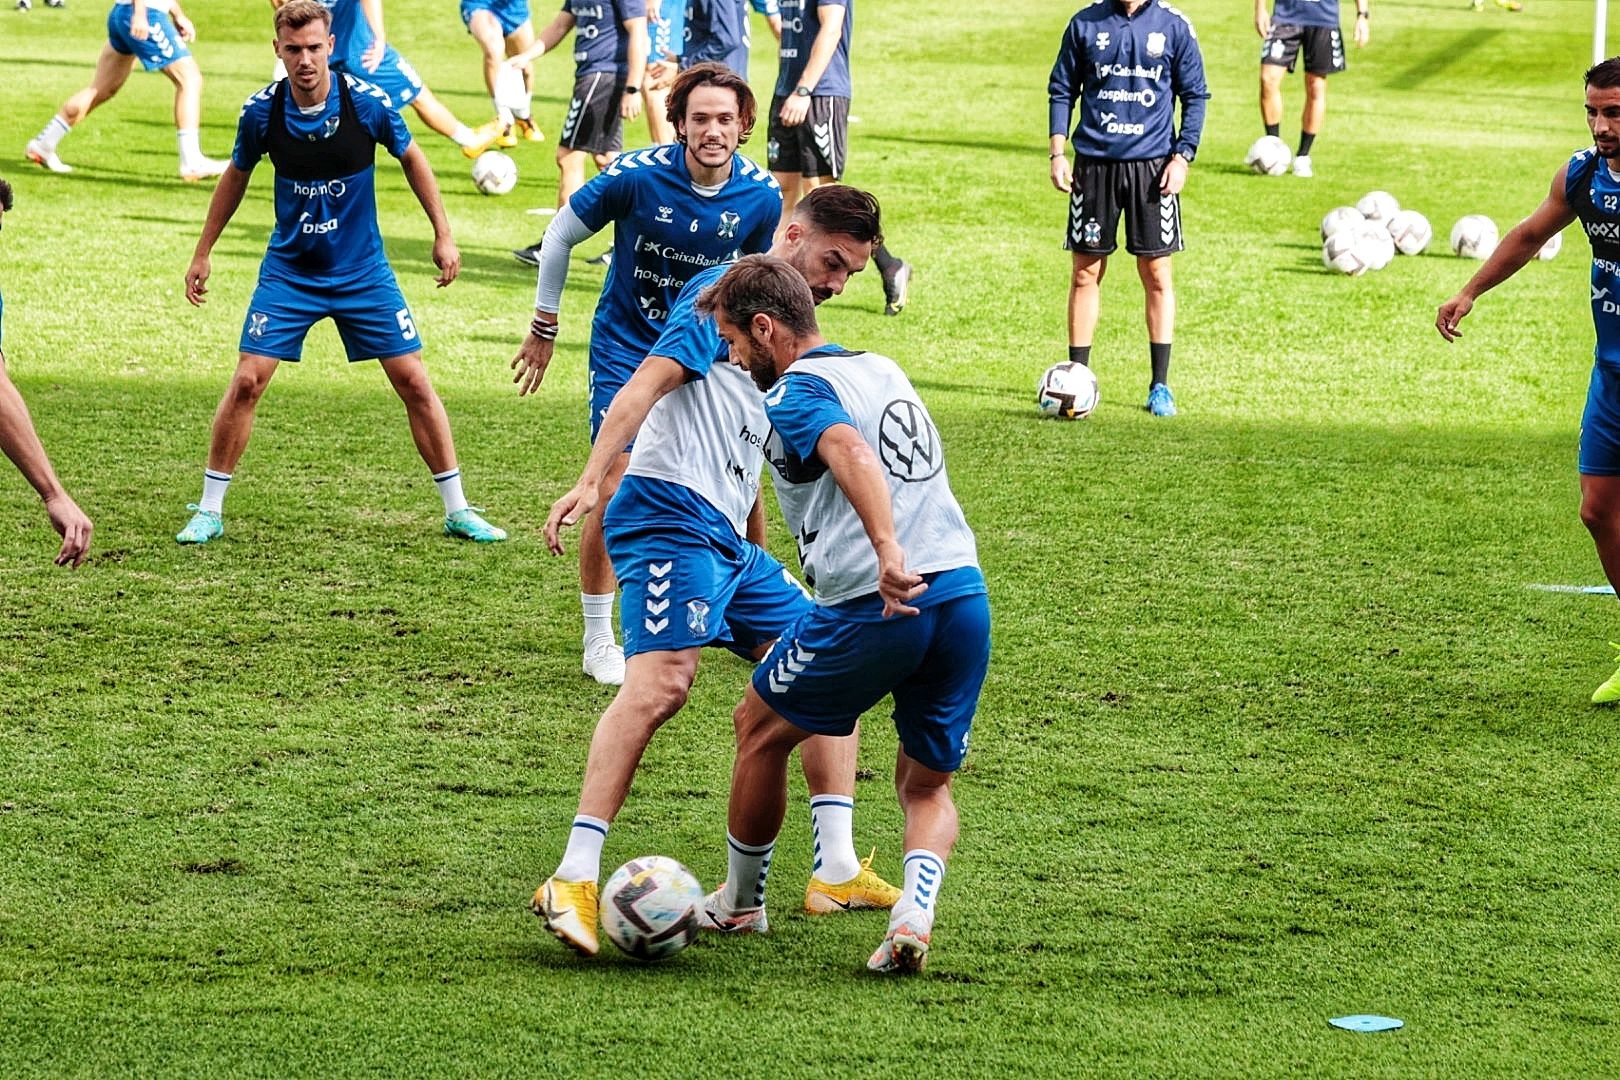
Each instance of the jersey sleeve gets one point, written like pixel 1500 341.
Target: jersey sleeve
pixel 1064 87
pixel 604 199
pixel 252 130
pixel 1193 91
pixel 381 122
pixel 690 339
pixel 801 407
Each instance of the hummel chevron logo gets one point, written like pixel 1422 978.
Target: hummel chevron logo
pixel 659 571
pixel 658 588
pixel 657 607
pixel 662 156
pixel 655 627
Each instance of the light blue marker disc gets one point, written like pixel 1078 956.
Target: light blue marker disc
pixel 1367 1023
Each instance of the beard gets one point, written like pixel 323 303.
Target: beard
pixel 761 367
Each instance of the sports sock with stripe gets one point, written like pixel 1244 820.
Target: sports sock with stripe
pixel 582 861
pixel 924 872
pixel 746 866
pixel 832 824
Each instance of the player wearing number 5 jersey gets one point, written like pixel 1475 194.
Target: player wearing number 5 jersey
pixel 325 259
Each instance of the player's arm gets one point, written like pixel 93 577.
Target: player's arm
pixel 850 459
pixel 1518 247
pixel 21 444
pixel 373 12
pixel 1192 89
pixel 188 31
pixel 1262 18
pixel 533 357
pixel 630 100
pixel 227 197
pixel 546 40
pixel 419 174
pixel 655 377
pixel 1061 90
pixel 829 32
pixel 138 26
pixel 1363 17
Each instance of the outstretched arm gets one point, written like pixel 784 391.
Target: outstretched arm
pixel 21 444
pixel 1518 247
pixel 546 40
pixel 419 174
pixel 227 197
pixel 850 459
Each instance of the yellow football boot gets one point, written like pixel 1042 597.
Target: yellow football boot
pixel 569 910
pixel 863 892
pixel 1609 692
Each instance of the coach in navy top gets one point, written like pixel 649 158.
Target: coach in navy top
pixel 1127 62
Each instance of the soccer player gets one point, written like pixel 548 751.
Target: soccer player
pixel 666 25
pixel 1126 62
pixel 717 31
pixel 675 210
pixel 325 258
pixel 1314 26
pixel 156 32
pixel 21 444
pixel 685 531
pixel 809 125
pixel 610 61
pixel 502 29
pixel 901 605
pixel 362 50
pixel 1587 188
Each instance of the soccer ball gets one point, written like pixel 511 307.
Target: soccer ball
pixel 1474 237
pixel 494 173
pixel 650 907
pixel 1411 232
pixel 1552 247
pixel 1067 391
pixel 1346 252
pixel 1341 217
pixel 1268 156
pixel 1378 206
pixel 1376 244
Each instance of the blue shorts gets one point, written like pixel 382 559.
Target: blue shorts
pixel 1600 425
pixel 371 316
pixel 394 76
pixel 604 379
pixel 682 590
pixel 162 46
pixel 511 14
pixel 827 670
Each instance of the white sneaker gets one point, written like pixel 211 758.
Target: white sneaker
pixel 904 950
pixel 40 156
pixel 1302 166
pixel 202 169
pixel 723 920
pixel 604 662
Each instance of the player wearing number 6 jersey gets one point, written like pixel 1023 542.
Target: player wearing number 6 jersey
pixel 325 259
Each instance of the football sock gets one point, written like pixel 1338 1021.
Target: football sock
pixel 190 149
pixel 745 874
pixel 463 136
pixel 832 824
pixel 1159 354
pixel 598 615
pixel 523 113
pixel 213 496
pixel 449 484
pixel 924 872
pixel 1306 138
pixel 582 861
pixel 886 263
pixel 52 134
pixel 1273 129
pixel 1080 354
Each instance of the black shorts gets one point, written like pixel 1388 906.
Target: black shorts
pixel 1105 189
pixel 1324 48
pixel 593 123
pixel 813 148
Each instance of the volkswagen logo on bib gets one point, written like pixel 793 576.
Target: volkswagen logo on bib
pixel 907 442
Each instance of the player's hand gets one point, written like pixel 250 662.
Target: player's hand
pixel 1174 177
pixel 530 363
pixel 188 32
pixel 568 510
pixel 197 280
pixel 140 29
pixel 1362 33
pixel 73 526
pixel 896 584
pixel 373 55
pixel 1262 23
pixel 447 257
pixel 1062 177
pixel 1451 313
pixel 661 73
pixel 794 109
pixel 630 106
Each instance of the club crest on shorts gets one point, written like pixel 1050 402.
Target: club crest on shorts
pixel 1155 44
pixel 257 324
pixel 697 616
pixel 1092 232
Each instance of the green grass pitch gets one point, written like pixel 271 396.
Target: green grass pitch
pixel 1275 730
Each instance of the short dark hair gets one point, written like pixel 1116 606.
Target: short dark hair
pixel 709 73
pixel 297 14
pixel 839 208
pixel 762 285
pixel 1604 76
pixel 5 195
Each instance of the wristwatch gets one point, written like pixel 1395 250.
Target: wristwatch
pixel 801 91
pixel 632 90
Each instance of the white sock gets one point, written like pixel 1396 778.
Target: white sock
pixel 598 615
pixel 924 872
pixel 190 149
pixel 463 136
pixel 832 824
pixel 449 484
pixel 52 134
pixel 213 496
pixel 502 113
pixel 746 867
pixel 582 861
pixel 523 112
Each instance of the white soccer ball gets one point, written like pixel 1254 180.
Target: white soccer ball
pixel 1411 232
pixel 1067 391
pixel 650 907
pixel 1345 251
pixel 1378 206
pixel 1552 247
pixel 1268 155
pixel 494 173
pixel 1377 246
pixel 1474 237
pixel 1341 217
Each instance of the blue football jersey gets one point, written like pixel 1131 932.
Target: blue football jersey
pixel 665 232
pixel 801 22
pixel 600 43
pixel 667 33
pixel 1593 192
pixel 351 32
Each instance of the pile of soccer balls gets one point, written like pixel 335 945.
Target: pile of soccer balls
pixel 1368 235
